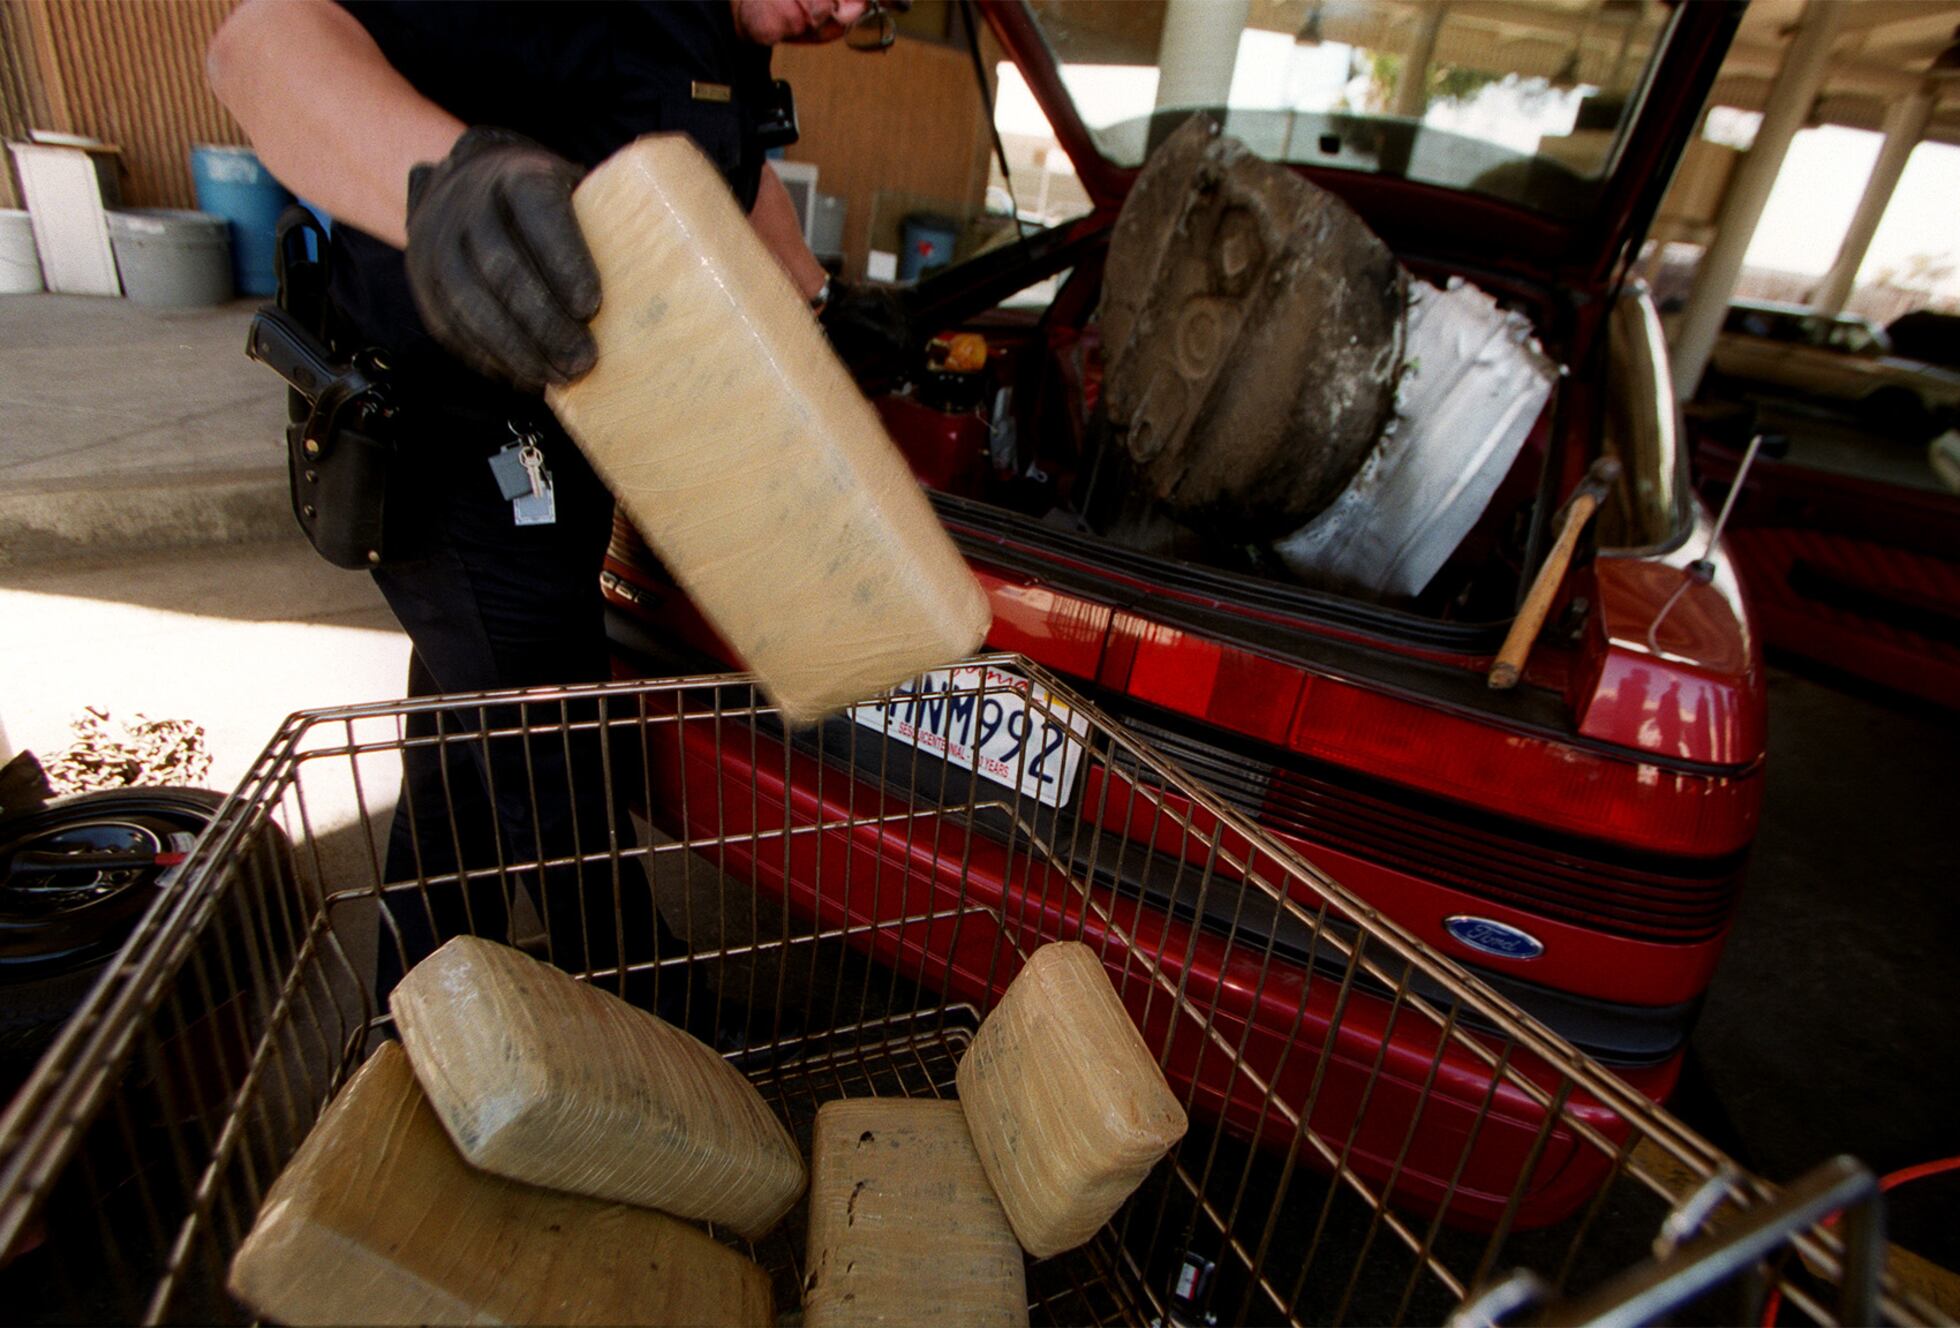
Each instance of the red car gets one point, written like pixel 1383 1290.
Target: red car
pixel 1579 840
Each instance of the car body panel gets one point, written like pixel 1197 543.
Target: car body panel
pixel 1688 804
pixel 1570 959
pixel 1678 675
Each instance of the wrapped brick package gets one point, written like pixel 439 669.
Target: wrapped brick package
pixel 740 448
pixel 543 1078
pixel 377 1219
pixel 903 1226
pixel 1066 1105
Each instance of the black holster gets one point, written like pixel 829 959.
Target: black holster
pixel 340 455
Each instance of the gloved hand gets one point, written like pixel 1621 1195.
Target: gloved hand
pixel 867 324
pixel 496 263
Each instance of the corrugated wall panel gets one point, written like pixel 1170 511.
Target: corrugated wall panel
pixel 23 100
pixel 904 124
pixel 131 72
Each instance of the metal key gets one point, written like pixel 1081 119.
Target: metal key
pixel 539 507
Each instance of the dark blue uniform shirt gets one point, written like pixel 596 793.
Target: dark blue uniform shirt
pixel 583 79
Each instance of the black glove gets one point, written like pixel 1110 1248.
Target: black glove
pixel 496 263
pixel 867 324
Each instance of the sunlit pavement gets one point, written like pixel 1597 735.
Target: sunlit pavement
pixel 232 637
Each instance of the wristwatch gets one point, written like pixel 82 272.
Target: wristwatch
pixel 822 297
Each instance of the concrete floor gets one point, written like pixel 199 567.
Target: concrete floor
pixel 126 428
pixel 130 391
pixel 1829 1028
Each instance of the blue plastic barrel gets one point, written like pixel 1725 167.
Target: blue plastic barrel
pixel 232 184
pixel 925 242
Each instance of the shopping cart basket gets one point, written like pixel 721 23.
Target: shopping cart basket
pixel 1375 1136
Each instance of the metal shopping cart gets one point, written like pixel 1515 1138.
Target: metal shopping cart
pixel 1375 1136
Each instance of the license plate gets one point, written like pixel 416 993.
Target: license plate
pixel 993 731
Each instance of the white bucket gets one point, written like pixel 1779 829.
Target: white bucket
pixel 20 261
pixel 169 256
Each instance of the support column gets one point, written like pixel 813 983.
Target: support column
pixel 1412 88
pixel 1791 97
pixel 1905 125
pixel 1198 51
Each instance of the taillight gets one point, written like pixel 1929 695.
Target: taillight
pixel 1468 759
pixel 1639 803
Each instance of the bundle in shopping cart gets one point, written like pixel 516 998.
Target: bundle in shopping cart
pixel 526 1152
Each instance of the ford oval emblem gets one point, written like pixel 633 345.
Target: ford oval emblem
pixel 1496 938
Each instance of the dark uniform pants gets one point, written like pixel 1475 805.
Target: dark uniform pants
pixel 491 605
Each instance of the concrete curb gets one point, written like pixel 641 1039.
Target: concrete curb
pixel 138 513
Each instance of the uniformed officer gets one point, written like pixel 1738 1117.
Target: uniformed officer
pixel 444 140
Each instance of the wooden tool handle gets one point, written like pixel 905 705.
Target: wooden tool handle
pixel 1531 616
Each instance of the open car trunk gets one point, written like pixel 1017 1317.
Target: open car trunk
pixel 1060 479
pixel 1213 411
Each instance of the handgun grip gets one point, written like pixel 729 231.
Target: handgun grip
pixel 289 350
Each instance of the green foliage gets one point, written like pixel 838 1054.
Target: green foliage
pixel 1456 83
pixel 1452 83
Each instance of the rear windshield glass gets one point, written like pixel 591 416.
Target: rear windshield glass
pixel 1524 100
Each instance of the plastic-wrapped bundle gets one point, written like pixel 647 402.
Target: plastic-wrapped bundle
pixel 738 445
pixel 903 1226
pixel 546 1079
pixel 1066 1104
pixel 377 1219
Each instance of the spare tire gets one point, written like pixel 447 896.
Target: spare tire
pixel 1252 329
pixel 76 874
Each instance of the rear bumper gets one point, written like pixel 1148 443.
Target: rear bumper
pixel 1627 871
pixel 1419 1116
